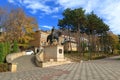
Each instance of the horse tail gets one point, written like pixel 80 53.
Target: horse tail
pixel 48 37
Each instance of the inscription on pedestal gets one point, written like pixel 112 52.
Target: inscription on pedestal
pixel 60 51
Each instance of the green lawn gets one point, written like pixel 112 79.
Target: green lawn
pixel 74 56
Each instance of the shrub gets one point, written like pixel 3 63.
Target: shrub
pixel 15 47
pixel 4 50
pixel 2 55
pixel 8 48
pixel 3 67
pixel 118 51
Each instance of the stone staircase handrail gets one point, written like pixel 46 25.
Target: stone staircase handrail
pixel 39 58
pixel 12 56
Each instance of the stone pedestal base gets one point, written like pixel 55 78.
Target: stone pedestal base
pixel 54 53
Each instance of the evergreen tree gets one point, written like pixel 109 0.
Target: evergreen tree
pixel 2 53
pixel 15 46
pixel 73 20
pixel 8 48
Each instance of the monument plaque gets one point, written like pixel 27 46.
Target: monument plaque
pixel 60 51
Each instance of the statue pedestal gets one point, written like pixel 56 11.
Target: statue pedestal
pixel 54 53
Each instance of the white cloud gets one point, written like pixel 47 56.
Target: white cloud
pixel 91 5
pixel 110 11
pixel 107 9
pixel 55 16
pixel 71 3
pixel 48 27
pixel 88 5
pixel 36 5
pixel 11 1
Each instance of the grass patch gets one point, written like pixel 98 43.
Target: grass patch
pixel 77 57
pixel 118 59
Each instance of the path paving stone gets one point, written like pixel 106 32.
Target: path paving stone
pixel 104 69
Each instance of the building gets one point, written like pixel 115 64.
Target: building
pixel 43 37
pixel 36 41
pixel 69 43
pixel 40 39
pixel 70 46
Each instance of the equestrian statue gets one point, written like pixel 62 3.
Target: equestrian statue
pixel 53 36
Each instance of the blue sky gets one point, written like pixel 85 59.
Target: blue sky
pixel 47 12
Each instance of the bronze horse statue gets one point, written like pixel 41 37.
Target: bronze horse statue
pixel 53 36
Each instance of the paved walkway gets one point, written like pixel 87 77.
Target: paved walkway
pixel 25 63
pixel 104 69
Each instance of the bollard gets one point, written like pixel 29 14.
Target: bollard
pixel 12 67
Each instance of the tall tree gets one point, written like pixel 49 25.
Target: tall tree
pixel 2 20
pixel 113 41
pixel 73 20
pixel 95 28
pixel 19 26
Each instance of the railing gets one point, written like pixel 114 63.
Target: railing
pixel 12 56
pixel 39 58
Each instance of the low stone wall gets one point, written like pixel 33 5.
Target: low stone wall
pixel 50 54
pixel 39 58
pixel 12 56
